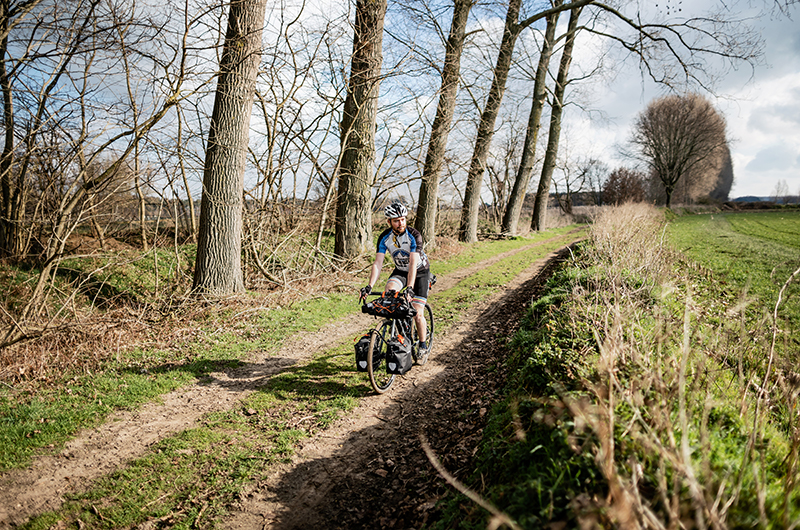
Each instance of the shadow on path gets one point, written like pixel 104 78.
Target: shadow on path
pixel 372 472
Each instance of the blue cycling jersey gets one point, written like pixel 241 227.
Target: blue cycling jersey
pixel 400 247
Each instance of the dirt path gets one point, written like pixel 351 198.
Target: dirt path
pixel 369 470
pixel 128 434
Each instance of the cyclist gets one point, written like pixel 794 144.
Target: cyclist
pixel 411 266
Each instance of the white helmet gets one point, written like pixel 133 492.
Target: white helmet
pixel 395 210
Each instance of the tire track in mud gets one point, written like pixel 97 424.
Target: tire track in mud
pixel 127 435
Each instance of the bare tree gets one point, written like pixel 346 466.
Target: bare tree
pixel 502 167
pixel 468 228
pixel 682 140
pixel 543 192
pixel 72 49
pixel 582 177
pixel 523 177
pixel 218 268
pixel 781 192
pixel 624 185
pixel 594 173
pixel 353 212
pixel 428 192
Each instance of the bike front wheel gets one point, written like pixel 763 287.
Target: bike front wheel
pixel 376 359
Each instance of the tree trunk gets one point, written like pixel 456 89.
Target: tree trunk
pixel 10 192
pixel 353 206
pixel 429 188
pixel 218 269
pixel 517 197
pixel 141 202
pixel 543 193
pixel 190 200
pixel 468 229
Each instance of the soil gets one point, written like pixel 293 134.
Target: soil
pixel 368 470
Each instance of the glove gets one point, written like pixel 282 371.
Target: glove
pixel 365 291
pixel 410 293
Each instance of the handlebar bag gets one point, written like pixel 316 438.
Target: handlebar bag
pixel 389 306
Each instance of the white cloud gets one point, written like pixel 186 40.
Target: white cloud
pixel 780 157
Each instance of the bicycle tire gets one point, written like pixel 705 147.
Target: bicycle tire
pixel 380 380
pixel 428 339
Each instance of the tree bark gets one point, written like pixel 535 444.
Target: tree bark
pixel 543 193
pixel 468 228
pixel 517 197
pixel 185 178
pixel 353 206
pixel 11 193
pixel 429 188
pixel 218 269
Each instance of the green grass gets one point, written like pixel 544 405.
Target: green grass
pixel 486 249
pixel 755 247
pixel 752 253
pixel 451 303
pixel 47 418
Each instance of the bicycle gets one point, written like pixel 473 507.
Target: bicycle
pixel 397 327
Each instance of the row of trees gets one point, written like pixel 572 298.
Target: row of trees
pixel 659 46
pixel 103 97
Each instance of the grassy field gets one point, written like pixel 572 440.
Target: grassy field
pixel 650 386
pixel 746 258
pixel 758 250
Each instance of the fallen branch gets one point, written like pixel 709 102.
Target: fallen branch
pixel 498 517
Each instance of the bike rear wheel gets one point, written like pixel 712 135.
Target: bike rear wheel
pixel 376 359
pixel 428 338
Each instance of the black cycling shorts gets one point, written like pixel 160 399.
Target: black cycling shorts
pixel 421 283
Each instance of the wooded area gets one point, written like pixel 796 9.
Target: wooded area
pixel 118 116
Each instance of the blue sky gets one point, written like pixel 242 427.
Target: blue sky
pixel 761 107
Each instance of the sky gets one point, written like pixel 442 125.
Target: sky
pixel 761 107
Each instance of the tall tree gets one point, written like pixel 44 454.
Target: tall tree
pixel 353 207
pixel 680 137
pixel 429 188
pixel 218 268
pixel 543 193
pixel 517 196
pixel 468 228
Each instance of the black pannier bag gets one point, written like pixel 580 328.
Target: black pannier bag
pixel 390 305
pixel 362 349
pixel 398 356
